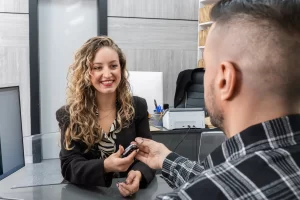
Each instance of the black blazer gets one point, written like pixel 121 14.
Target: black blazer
pixel 88 168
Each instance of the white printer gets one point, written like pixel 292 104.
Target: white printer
pixel 181 118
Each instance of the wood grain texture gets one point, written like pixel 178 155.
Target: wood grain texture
pixel 9 65
pixel 153 33
pixel 14 60
pixel 14 30
pixel 170 62
pixel 14 6
pixel 167 9
pixel 167 46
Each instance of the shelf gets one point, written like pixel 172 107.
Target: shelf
pixel 206 23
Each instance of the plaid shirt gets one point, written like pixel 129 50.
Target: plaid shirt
pixel 262 162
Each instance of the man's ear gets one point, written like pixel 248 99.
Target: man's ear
pixel 226 80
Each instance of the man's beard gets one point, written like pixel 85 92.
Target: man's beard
pixel 215 114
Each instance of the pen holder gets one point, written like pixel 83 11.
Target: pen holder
pixel 157 120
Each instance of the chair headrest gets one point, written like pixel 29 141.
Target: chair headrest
pixel 198 76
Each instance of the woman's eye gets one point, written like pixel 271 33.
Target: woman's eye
pixel 97 68
pixel 114 66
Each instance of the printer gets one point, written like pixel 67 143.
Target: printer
pixel 182 118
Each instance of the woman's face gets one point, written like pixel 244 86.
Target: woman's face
pixel 106 71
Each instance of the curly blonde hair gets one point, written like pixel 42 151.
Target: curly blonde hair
pixel 81 95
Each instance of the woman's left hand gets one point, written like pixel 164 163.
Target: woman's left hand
pixel 131 185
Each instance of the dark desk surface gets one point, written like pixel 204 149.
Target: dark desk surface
pixel 179 131
pixel 72 192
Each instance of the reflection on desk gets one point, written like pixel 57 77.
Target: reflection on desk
pixel 153 128
pixel 189 147
pixel 72 192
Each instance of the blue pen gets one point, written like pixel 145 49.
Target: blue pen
pixel 155 104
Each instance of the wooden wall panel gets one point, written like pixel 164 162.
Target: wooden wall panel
pixel 167 46
pixel 167 9
pixel 14 30
pixel 170 62
pixel 153 34
pixel 14 60
pixel 14 6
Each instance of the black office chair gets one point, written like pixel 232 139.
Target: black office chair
pixel 209 141
pixel 194 91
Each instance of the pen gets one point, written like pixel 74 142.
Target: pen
pixel 155 104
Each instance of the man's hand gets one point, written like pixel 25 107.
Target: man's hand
pixel 131 185
pixel 151 153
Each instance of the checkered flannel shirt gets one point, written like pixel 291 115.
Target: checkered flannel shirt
pixel 262 162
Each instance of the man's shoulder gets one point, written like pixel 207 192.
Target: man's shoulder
pixel 261 169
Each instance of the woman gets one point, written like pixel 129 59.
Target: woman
pixel 100 119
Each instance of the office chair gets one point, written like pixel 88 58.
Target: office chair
pixel 194 91
pixel 209 141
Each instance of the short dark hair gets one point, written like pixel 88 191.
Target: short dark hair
pixel 285 13
pixel 279 20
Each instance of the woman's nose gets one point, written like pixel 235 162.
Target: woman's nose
pixel 107 72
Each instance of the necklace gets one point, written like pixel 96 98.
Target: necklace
pixel 100 118
pixel 107 109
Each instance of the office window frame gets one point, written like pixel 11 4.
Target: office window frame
pixel 34 60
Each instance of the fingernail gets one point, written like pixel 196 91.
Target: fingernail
pixel 117 184
pixel 138 139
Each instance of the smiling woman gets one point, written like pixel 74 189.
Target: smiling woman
pixel 101 116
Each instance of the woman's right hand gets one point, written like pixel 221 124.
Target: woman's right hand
pixel 115 163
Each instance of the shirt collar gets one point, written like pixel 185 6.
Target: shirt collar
pixel 277 133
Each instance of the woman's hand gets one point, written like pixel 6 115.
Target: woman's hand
pixel 131 185
pixel 114 163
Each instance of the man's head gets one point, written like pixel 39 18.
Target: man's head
pixel 252 59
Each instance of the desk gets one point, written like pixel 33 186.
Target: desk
pixel 72 192
pixel 190 145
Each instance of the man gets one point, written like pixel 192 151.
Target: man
pixel 252 92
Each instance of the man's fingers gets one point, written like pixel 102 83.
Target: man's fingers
pixel 130 177
pixel 143 141
pixel 141 156
pixel 144 144
pixel 142 153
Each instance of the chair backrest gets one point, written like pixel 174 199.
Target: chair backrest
pixel 209 141
pixel 194 93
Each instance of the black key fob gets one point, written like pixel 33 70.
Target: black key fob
pixel 129 150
